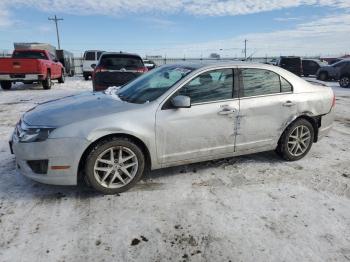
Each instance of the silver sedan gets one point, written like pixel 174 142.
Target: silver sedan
pixel 173 115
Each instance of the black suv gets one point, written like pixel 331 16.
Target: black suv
pixel 311 66
pixel 291 63
pixel 116 69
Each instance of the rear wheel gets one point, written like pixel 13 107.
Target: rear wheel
pixel 114 165
pixel 296 140
pixel 61 79
pixel 6 85
pixel 344 81
pixel 47 82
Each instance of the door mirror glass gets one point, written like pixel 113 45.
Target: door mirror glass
pixel 181 101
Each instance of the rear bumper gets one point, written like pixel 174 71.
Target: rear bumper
pixel 326 124
pixel 21 77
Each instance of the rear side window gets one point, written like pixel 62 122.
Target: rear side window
pixel 29 55
pixel 258 82
pixel 118 62
pixel 98 55
pixel 90 56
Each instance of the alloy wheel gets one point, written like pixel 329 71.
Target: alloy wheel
pixel 344 82
pixel 115 167
pixel 299 140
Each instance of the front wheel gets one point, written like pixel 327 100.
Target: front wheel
pixel 344 81
pixel 6 85
pixel 296 140
pixel 114 165
pixel 323 76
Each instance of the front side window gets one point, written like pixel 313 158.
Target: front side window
pixel 210 86
pixel 258 82
pixel 29 55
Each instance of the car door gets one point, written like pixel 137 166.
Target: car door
pixel 55 67
pixel 266 105
pixel 205 129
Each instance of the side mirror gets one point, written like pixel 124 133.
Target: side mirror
pixel 93 65
pixel 181 102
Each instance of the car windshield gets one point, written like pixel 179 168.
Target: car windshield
pixel 118 62
pixel 152 85
pixel 29 55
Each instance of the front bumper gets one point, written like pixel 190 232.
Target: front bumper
pixel 61 152
pixel 21 77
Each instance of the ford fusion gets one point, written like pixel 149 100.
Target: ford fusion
pixel 173 115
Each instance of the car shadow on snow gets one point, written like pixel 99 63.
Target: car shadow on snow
pixel 20 187
pixel 265 157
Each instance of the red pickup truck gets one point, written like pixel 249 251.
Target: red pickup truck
pixel 28 66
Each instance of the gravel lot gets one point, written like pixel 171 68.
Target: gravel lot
pixel 250 208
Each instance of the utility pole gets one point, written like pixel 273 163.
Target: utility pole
pixel 245 49
pixel 58 35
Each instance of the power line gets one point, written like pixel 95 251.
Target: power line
pixel 58 35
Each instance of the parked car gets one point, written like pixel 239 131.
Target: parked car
pixel 291 63
pixel 331 72
pixel 90 60
pixel 116 69
pixel 344 76
pixel 28 66
pixel 173 115
pixel 67 60
pixel 311 66
pixel 149 64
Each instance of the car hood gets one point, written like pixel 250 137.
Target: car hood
pixel 67 110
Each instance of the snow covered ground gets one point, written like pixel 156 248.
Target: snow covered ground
pixel 250 208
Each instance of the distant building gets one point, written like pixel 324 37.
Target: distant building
pixel 214 56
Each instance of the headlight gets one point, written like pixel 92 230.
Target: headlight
pixel 28 134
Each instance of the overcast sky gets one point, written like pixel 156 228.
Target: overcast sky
pixel 179 28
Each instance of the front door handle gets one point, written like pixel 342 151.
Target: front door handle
pixel 227 111
pixel 288 103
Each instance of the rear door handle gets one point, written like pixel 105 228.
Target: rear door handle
pixel 288 103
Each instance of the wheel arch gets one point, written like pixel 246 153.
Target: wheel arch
pixel 315 121
pixel 133 138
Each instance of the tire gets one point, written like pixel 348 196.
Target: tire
pixel 301 129
pixel 47 82
pixel 323 76
pixel 344 81
pixel 306 75
pixel 6 85
pixel 61 79
pixel 86 77
pixel 109 176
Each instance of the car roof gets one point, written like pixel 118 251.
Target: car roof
pixel 215 64
pixel 120 54
pixel 94 51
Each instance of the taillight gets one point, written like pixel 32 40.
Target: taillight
pixel 99 69
pixel 333 102
pixel 142 70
